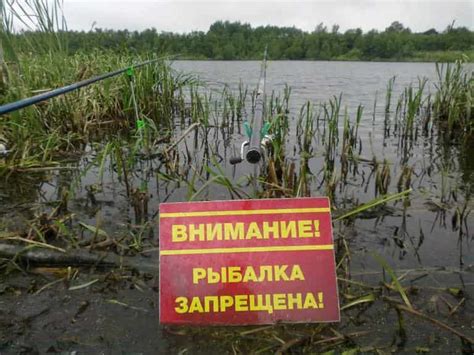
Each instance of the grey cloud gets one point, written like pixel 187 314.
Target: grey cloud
pixel 186 16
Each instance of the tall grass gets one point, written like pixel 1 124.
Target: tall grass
pixel 43 19
pixel 453 100
pixel 78 114
pixel 39 63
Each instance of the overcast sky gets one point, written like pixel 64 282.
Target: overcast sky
pixel 185 16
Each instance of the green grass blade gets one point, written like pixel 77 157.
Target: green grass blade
pixel 394 278
pixel 375 202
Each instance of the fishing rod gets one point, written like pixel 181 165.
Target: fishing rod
pixel 17 105
pixel 253 150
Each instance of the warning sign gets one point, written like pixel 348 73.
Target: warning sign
pixel 247 262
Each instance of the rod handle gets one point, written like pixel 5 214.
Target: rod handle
pixel 235 160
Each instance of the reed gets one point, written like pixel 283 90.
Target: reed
pixel 388 95
pixel 453 100
pixel 44 20
pixel 158 93
pixel 414 99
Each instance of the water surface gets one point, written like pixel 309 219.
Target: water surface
pixel 419 235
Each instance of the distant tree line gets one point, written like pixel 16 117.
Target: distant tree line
pixel 235 40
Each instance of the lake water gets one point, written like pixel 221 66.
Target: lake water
pixel 314 81
pixel 420 235
pixel 361 83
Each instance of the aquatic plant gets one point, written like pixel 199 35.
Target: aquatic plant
pixel 453 100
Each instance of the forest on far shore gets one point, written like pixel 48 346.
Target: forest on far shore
pixel 239 41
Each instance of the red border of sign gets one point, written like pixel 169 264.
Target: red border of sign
pixel 190 208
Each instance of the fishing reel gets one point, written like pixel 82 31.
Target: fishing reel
pixel 253 154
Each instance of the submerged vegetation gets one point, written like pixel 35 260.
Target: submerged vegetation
pixel 85 172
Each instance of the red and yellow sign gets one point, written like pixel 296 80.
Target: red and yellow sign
pixel 247 262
